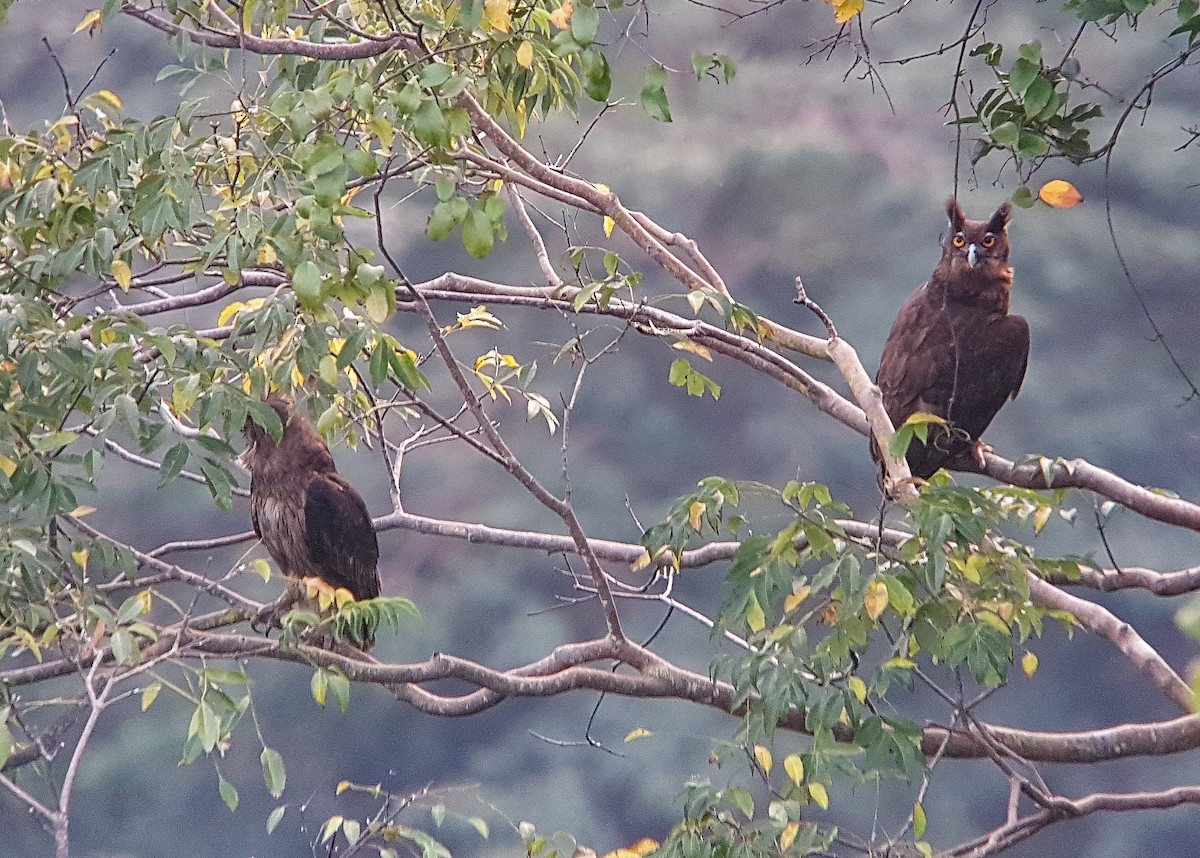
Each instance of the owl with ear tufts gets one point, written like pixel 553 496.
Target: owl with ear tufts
pixel 954 351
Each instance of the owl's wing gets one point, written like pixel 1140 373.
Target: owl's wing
pixel 991 372
pixel 339 536
pixel 917 368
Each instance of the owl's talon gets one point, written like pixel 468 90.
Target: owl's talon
pixel 268 617
pixel 979 450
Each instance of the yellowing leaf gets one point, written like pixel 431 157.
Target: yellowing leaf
pixel 525 55
pixel 609 226
pixel 8 466
pixel 342 787
pixel 561 17
pixel 763 756
pixel 794 599
pixel 1041 517
pixel 151 694
pixel 695 299
pixel 80 556
pixel 918 821
pixel 262 568
pixel 875 600
pixel 90 22
pixel 794 766
pixel 641 563
pixel 267 255
pixel 844 10
pixel 637 733
pixel 122 274
pixel 1060 194
pixel 696 514
pixel 788 836
pixel 858 688
pixel 497 14
pixel 644 847
pixel 819 795
pixel 694 348
pixel 1029 664
pixel 755 618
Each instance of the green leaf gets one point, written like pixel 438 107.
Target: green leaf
pixel 654 94
pixel 1032 145
pixel 172 463
pixel 6 743
pixel 477 234
pixel 585 23
pixel 1024 72
pixel 229 793
pixel 273 771
pixel 597 77
pixel 1037 96
pixel 430 125
pixel 1005 134
pixel 306 283
pixel 275 817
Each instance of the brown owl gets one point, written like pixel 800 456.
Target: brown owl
pixel 312 522
pixel 954 351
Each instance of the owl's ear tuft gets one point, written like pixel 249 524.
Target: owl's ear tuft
pixel 1000 218
pixel 955 213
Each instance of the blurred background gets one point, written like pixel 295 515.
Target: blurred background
pixel 801 166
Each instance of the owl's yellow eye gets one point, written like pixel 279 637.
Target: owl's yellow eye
pixel 989 241
pixel 959 241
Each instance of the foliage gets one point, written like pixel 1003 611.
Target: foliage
pixel 161 276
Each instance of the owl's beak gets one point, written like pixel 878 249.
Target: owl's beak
pixel 972 255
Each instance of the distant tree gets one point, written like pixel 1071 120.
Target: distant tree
pixel 161 277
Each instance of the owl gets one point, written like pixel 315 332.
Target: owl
pixel 954 351
pixel 312 522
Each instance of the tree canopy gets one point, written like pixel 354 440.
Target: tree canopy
pixel 416 219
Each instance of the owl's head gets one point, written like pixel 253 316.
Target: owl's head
pixel 976 242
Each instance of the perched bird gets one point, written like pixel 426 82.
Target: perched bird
pixel 312 522
pixel 954 351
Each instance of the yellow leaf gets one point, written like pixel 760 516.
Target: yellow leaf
pixel 695 299
pixel 609 226
pixel 90 22
pixel 1060 194
pixel 858 688
pixel 844 10
pixel 876 599
pixel 644 847
pixel 1041 518
pixel 795 598
pixel 637 733
pixel 1029 664
pixel 763 756
pixel 788 836
pixel 497 14
pixel 794 766
pixel 230 311
pixel 694 348
pixel 122 274
pixel 525 55
pixel 110 98
pixel 145 601
pixel 918 821
pixel 819 796
pixel 641 563
pixel 80 556
pixel 267 255
pixel 561 17
pixel 8 466
pixel 696 515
